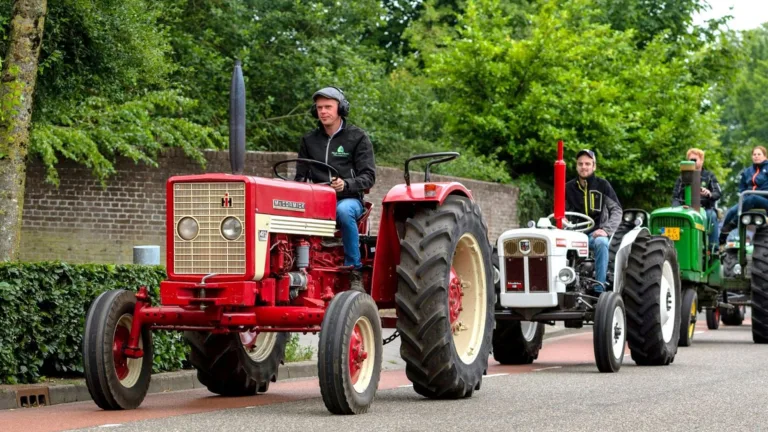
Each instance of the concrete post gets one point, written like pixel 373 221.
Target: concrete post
pixel 146 255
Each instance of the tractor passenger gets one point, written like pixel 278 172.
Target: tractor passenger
pixel 348 149
pixel 594 196
pixel 710 193
pixel 752 178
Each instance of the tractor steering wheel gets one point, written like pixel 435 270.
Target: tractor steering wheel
pixel 578 227
pixel 333 170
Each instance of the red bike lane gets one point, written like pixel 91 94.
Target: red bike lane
pixel 557 352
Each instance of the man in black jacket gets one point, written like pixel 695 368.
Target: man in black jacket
pixel 348 149
pixel 594 196
pixel 710 193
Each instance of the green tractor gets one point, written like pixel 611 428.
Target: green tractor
pixel 723 283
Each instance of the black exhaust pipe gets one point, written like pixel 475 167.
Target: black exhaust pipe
pixel 237 120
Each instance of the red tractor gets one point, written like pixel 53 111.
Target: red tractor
pixel 251 259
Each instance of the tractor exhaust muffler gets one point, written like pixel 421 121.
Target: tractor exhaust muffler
pixel 237 120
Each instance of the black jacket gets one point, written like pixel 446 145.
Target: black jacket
pixel 597 201
pixel 708 181
pixel 349 151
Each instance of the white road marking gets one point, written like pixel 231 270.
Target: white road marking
pixel 495 375
pixel 406 386
pixel 547 368
pixel 110 425
pixel 699 332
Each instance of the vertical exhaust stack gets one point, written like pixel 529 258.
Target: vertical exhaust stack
pixel 237 120
pixel 691 181
pixel 559 186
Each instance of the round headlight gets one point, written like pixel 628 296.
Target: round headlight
pixel 566 275
pixel 628 216
pixel 759 220
pixel 641 216
pixel 231 228
pixel 187 228
pixel 746 219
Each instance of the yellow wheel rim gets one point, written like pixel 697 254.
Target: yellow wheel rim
pixel 692 325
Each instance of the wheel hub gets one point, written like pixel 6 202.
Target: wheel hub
pixel 616 333
pixel 455 294
pixel 119 343
pixel 669 301
pixel 357 354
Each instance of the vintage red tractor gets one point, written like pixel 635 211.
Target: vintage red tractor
pixel 251 259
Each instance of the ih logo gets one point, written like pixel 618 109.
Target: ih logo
pixel 340 152
pixel 226 201
pixel 525 246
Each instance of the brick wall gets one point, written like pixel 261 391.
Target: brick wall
pixel 82 222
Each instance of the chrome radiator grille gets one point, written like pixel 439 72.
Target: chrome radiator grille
pixel 209 252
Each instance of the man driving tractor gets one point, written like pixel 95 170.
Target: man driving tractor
pixel 348 149
pixel 594 197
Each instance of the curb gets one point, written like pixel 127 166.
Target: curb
pixel 160 383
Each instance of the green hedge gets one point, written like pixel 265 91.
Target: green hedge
pixel 42 316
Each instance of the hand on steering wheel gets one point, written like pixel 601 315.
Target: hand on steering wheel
pixel 333 172
pixel 578 227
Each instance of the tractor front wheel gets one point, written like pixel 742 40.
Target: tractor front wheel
pixel 609 333
pixel 652 298
pixel 349 354
pixel 236 364
pixel 114 380
pixel 713 318
pixel 688 314
pixel 445 299
pixel 733 316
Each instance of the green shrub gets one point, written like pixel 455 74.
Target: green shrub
pixel 295 351
pixel 42 316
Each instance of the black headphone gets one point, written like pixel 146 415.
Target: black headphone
pixel 343 105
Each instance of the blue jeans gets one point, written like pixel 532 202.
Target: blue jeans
pixel 599 246
pixel 714 227
pixel 348 210
pixel 750 202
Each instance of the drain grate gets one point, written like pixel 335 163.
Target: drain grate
pixel 32 397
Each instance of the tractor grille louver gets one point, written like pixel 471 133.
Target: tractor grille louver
pixel 512 249
pixel 209 252
pixel 667 221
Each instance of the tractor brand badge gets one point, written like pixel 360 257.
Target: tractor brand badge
pixel 262 235
pixel 340 152
pixel 525 246
pixel 288 205
pixel 226 201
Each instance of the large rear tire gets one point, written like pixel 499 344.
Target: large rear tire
pixel 235 364
pixel 652 298
pixel 115 381
pixel 609 333
pixel 733 316
pixel 517 342
pixel 349 353
pixel 760 287
pixel 688 315
pixel 445 299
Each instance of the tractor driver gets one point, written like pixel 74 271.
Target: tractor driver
pixel 710 193
pixel 594 196
pixel 348 149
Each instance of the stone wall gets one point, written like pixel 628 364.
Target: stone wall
pixel 80 221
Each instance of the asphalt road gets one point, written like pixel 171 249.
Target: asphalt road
pixel 720 383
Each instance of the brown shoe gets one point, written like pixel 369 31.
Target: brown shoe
pixel 356 281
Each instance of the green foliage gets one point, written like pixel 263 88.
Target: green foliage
pixel 745 108
pixel 42 313
pixel 295 352
pixel 575 79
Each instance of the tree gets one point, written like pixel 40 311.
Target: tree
pixel 577 79
pixel 745 108
pixel 17 88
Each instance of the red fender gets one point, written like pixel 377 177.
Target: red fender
pixel 384 281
